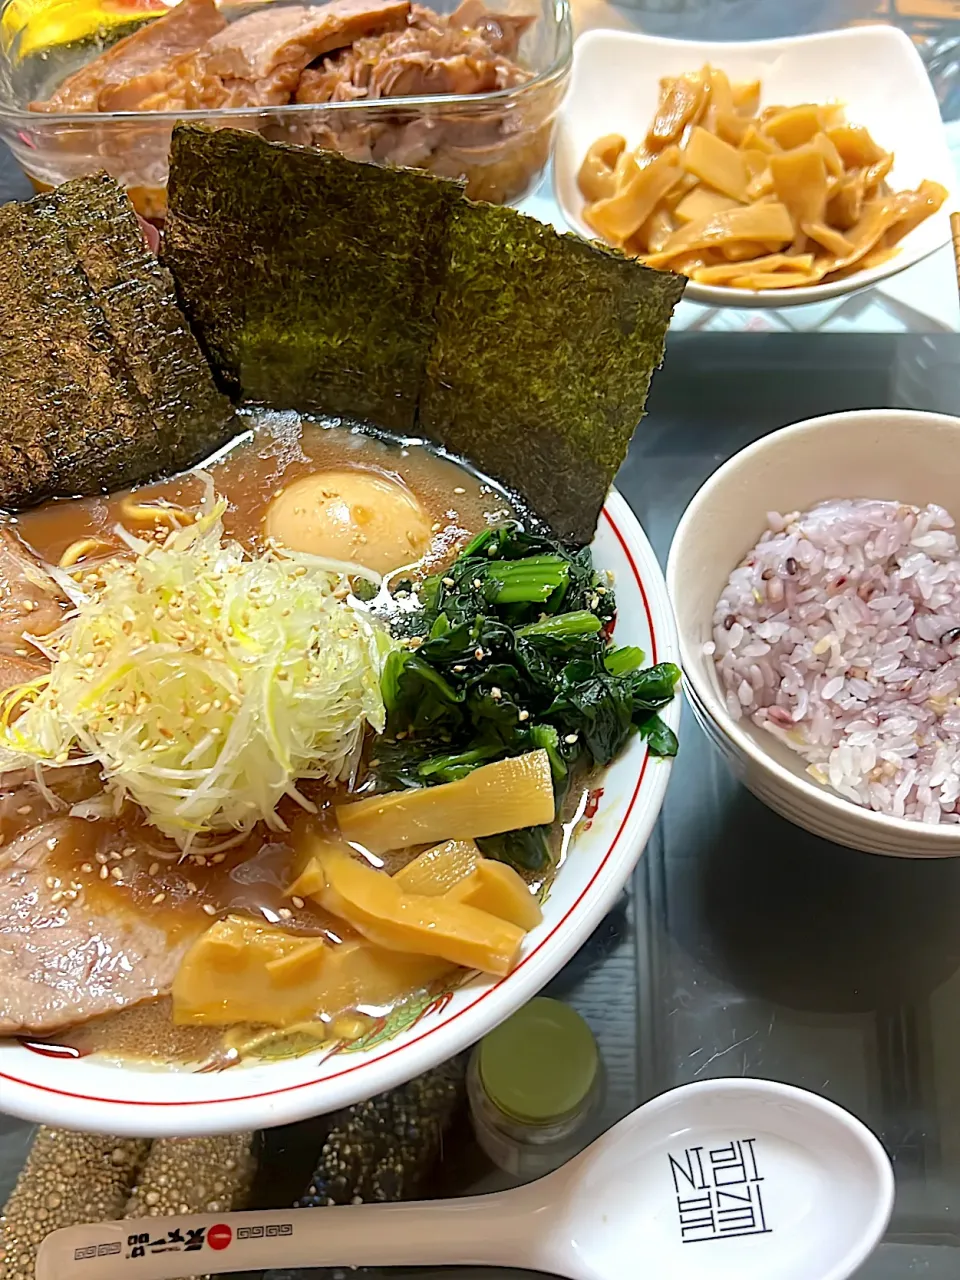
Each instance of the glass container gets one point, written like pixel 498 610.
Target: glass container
pixel 535 1086
pixel 498 143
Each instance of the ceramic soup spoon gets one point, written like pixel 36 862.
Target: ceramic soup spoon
pixel 735 1179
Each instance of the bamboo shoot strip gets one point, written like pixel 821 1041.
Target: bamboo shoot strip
pixel 505 795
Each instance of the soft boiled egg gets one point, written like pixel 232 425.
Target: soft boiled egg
pixel 361 516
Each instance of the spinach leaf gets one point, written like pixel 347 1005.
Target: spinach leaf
pixel 655 686
pixel 514 656
pixel 661 739
pixel 621 661
pixel 527 849
pixel 449 768
pixel 417 697
pixel 599 711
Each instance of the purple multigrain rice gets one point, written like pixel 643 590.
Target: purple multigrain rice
pixel 839 633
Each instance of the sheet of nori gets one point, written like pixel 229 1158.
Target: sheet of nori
pixel 73 418
pixel 311 280
pixel 544 352
pixel 138 298
pixel 68 413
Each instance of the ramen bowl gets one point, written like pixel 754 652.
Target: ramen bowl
pixel 119 1096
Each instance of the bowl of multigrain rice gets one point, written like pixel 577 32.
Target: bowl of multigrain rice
pixel 815 579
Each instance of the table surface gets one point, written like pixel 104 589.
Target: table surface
pixel 748 947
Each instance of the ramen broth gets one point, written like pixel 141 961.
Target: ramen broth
pixel 124 867
pixel 280 449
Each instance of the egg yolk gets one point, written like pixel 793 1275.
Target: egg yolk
pixel 359 516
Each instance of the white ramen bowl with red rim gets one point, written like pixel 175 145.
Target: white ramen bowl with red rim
pixel 894 454
pixel 127 1099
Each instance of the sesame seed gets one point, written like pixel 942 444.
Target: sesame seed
pixel 523 715
pixel 24 810
pixel 130 849
pixel 218 857
pixel 448 582
pixel 101 858
pixel 458 489
pixel 57 897
pixel 52 843
pixel 52 882
pixel 21 653
pixel 478 654
pixel 495 694
pixel 117 873
pixel 153 868
pixel 477 583
pixel 104 872
pixel 29 606
pixel 85 866
pixel 297 902
pixel 191 887
pixel 211 911
pixel 158 898
pixel 570 739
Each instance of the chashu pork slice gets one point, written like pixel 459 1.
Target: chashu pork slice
pixel 138 63
pixel 261 44
pixel 257 60
pixel 30 601
pixel 65 961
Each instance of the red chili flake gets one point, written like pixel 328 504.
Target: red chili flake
pixel 593 802
pixel 607 629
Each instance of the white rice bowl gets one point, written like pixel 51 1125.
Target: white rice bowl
pixel 876 702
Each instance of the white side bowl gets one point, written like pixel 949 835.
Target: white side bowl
pixel 875 71
pixel 88 1094
pixel 871 453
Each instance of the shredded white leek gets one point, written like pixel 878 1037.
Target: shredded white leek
pixel 204 681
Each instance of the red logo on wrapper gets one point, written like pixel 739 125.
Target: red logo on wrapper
pixel 219 1236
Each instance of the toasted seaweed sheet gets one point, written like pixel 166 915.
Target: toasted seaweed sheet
pixel 102 383
pixel 317 283
pixel 544 352
pixel 312 281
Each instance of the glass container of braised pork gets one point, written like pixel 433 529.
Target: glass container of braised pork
pixel 462 90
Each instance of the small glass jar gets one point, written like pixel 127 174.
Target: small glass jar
pixel 535 1087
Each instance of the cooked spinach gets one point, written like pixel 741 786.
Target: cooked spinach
pixel 509 651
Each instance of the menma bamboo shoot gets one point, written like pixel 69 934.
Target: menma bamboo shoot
pixel 503 796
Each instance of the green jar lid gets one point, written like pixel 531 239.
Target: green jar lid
pixel 539 1066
